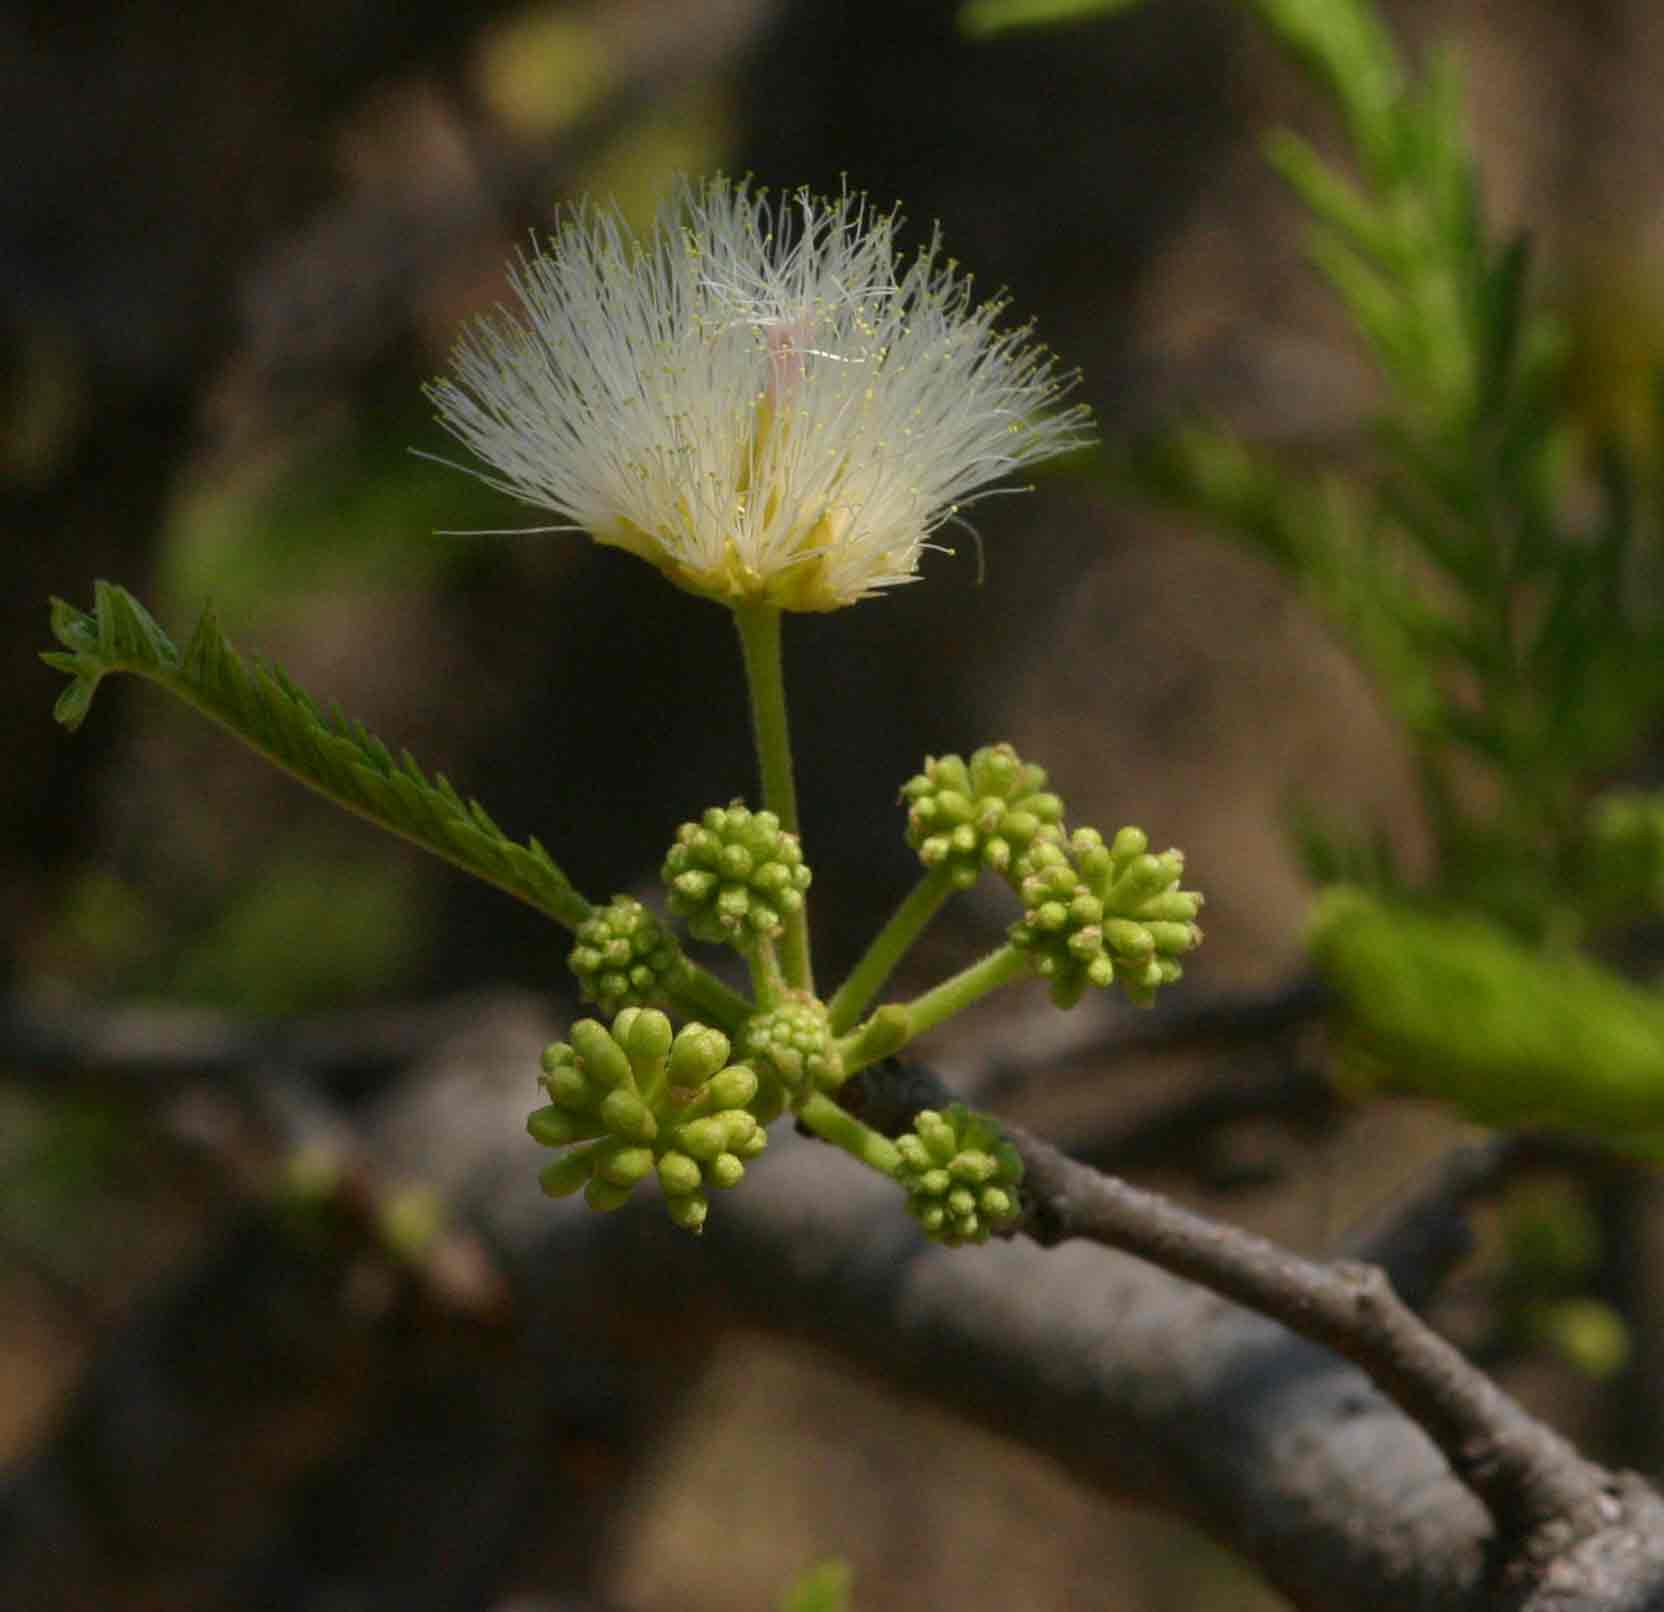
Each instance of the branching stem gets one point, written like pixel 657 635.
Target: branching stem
pixel 888 947
pixel 842 1129
pixel 969 985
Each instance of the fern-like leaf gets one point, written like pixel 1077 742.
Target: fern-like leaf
pixel 326 751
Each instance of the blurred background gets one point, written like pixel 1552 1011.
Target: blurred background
pixel 233 243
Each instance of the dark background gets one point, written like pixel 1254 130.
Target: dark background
pixel 233 242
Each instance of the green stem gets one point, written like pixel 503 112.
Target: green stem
pixel 842 1129
pixel 889 946
pixel 882 1036
pixel 759 629
pixel 768 984
pixel 704 997
pixel 967 986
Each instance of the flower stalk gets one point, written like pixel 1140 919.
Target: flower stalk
pixel 759 630
pixel 896 1024
pixel 842 1129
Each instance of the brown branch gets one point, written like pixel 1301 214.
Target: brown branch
pixel 1529 1478
pixel 1143 1385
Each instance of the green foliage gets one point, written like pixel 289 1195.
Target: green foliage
pixel 364 921
pixel 332 508
pixel 1455 1007
pixel 1553 1256
pixel 1503 595
pixel 336 757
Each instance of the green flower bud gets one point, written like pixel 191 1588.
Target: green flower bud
pixel 735 876
pixel 974 1167
pixel 626 1115
pixel 934 1183
pixel 733 1087
pixel 725 1170
pixel 644 1034
pixel 624 1166
pixel 678 1174
pixel 601 1059
pixel 960 1175
pixel 703 1139
pixel 697 1053
pixel 689 1212
pixel 624 956
pixel 566 1085
pixel 1128 939
pixel 938 1134
pixel 914 1154
pixel 569 1172
pixel 738 1127
pixel 555 1127
pixel 1143 877
pixel 985 815
pixel 604 1196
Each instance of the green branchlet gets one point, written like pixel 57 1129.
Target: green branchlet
pixel 625 957
pixel 960 1174
pixel 638 1100
pixel 1456 1007
pixel 735 876
pixel 1097 913
pixel 793 1047
pixel 981 815
pixel 881 1036
pixel 340 759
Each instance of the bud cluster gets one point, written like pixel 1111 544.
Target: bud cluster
pixel 1096 913
pixel 635 1101
pixel 794 1045
pixel 980 815
pixel 625 957
pixel 960 1175
pixel 735 876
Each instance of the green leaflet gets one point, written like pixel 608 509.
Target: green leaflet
pixel 327 752
pixel 1452 1007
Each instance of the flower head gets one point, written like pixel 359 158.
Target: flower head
pixel 763 399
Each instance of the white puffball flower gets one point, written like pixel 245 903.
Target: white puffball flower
pixel 762 399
